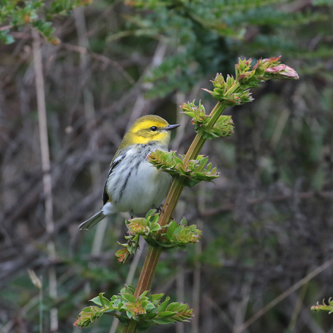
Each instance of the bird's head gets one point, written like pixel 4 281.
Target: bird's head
pixel 147 129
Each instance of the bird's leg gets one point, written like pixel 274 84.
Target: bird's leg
pixel 160 209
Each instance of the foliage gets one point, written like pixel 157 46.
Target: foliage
pixel 173 236
pixel 180 235
pixel 223 127
pixel 323 307
pixel 144 226
pixel 36 13
pixel 146 310
pixel 136 227
pixel 212 35
pixel 191 174
pixel 234 91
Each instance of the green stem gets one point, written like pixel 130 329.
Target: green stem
pixel 131 327
pixel 150 264
pixel 199 140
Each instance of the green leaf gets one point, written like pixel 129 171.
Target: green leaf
pixel 156 297
pixel 154 218
pixel 172 306
pixel 166 314
pixel 150 306
pixel 171 228
pixel 96 300
pixel 163 306
pixel 129 297
pixel 150 213
pixel 88 316
pixel 162 321
pixel 155 227
pixel 104 301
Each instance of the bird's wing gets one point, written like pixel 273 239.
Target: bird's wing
pixel 115 162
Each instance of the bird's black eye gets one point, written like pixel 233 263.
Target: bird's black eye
pixel 153 128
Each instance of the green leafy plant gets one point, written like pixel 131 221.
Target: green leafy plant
pixel 137 227
pixel 210 35
pixel 145 310
pixel 179 235
pixel 174 236
pixel 161 231
pixel 323 307
pixel 223 127
pixel 18 14
pixel 191 173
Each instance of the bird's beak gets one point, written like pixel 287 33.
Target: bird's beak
pixel 171 127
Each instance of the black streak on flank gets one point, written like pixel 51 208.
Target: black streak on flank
pixel 125 183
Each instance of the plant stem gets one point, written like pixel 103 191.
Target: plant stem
pixel 130 327
pixel 199 139
pixel 148 270
pixel 46 167
pixel 150 264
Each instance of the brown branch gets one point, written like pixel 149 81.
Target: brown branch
pixel 46 167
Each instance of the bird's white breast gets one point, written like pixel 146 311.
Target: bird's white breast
pixel 136 185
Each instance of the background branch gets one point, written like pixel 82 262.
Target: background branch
pixel 46 168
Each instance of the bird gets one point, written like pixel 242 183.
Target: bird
pixel 133 184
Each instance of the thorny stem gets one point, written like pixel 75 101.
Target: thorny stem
pixel 153 255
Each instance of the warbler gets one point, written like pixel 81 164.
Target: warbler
pixel 133 184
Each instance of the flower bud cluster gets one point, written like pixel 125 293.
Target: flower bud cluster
pixel 234 91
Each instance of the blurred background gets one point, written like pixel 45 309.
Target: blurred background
pixel 267 221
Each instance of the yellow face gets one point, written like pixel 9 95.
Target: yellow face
pixel 147 129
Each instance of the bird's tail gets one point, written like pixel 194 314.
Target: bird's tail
pixel 108 209
pixel 98 217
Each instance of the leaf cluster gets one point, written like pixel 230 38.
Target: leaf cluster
pixel 323 307
pixel 128 248
pixel 234 91
pixel 144 226
pixel 18 14
pixel 190 173
pixel 180 235
pixel 147 309
pixel 137 227
pixel 211 34
pixel 148 227
pixel 223 127
pixel 228 92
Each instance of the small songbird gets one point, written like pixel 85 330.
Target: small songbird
pixel 133 184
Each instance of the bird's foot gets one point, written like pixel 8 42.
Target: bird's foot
pixel 160 209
